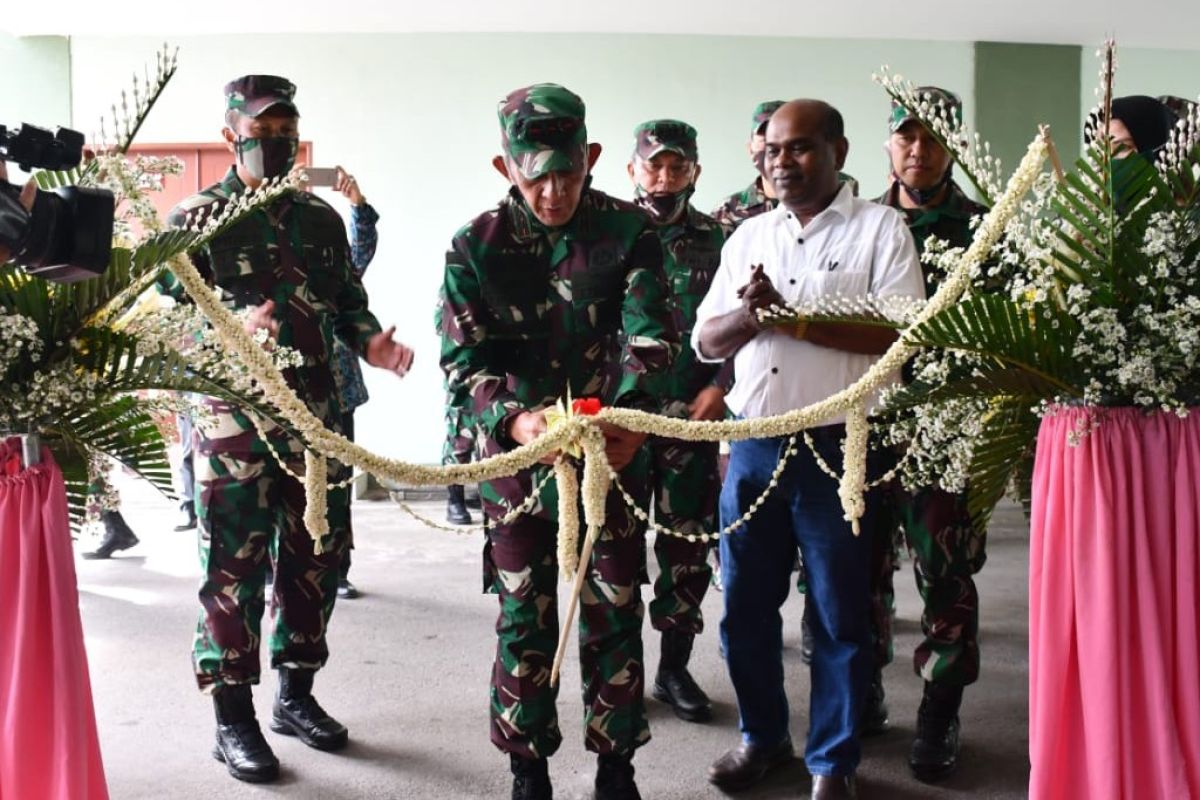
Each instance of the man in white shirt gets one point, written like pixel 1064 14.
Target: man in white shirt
pixel 820 242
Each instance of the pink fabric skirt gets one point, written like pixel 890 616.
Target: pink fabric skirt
pixel 48 744
pixel 1114 585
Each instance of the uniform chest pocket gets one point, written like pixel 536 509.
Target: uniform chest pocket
pixel 324 241
pixel 695 267
pixel 242 264
pixel 602 279
pixel 513 290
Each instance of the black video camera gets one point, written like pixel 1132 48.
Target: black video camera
pixel 67 235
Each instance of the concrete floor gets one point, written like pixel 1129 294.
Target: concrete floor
pixel 409 670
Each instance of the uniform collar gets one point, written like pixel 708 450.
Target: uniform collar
pixel 526 226
pixel 231 183
pixel 955 205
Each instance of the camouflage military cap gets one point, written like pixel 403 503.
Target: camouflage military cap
pixel 762 114
pixel 1181 106
pixel 665 136
pixel 251 95
pixel 933 95
pixel 542 129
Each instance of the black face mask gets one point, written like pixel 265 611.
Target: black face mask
pixel 924 197
pixel 267 157
pixel 663 207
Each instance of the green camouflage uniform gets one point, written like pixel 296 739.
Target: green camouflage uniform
pixel 294 252
pixel 683 475
pixel 947 548
pixel 529 315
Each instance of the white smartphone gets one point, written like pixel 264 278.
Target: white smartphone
pixel 321 176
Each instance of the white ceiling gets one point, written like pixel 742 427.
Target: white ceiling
pixel 1173 24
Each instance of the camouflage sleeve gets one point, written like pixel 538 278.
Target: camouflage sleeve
pixel 167 284
pixel 722 215
pixel 479 396
pixel 649 339
pixel 354 323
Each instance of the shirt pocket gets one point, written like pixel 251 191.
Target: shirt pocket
pixel 242 263
pixel 598 289
pixel 840 271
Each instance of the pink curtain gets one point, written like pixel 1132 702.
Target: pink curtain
pixel 48 744
pixel 1114 584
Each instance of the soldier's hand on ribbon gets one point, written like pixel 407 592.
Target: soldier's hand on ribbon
pixel 620 445
pixel 346 183
pixel 759 294
pixel 709 404
pixel 386 353
pixel 262 316
pixel 527 426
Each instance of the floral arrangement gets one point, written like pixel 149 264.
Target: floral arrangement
pixel 91 366
pixel 1091 297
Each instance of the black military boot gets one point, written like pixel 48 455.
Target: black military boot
pixel 117 536
pixel 614 778
pixel 240 743
pixel 531 778
pixel 473 500
pixel 874 719
pixel 806 637
pixel 456 505
pixel 297 713
pixel 934 752
pixel 674 685
pixel 188 523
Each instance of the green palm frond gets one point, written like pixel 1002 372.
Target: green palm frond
pixel 120 429
pixel 1002 381
pixel 1094 247
pixel 1004 447
pixel 115 358
pixel 30 297
pixel 996 328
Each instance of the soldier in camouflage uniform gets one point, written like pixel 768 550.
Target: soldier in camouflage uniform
pixel 759 196
pixel 683 475
pixel 947 547
pixel 557 290
pixel 288 264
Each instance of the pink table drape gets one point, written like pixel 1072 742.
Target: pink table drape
pixel 1114 637
pixel 48 744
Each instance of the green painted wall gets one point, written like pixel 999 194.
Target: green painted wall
pixel 35 81
pixel 1143 71
pixel 1022 86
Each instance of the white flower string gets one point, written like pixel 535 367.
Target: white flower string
pixel 851 489
pixel 337 447
pixel 527 505
pixel 568 516
pixel 789 450
pixel 315 517
pixel 823 465
pixel 256 420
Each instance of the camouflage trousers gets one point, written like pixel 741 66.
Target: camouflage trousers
pixel 686 488
pixel 249 510
pixel 521 566
pixel 947 551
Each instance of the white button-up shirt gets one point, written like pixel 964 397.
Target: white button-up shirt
pixel 854 248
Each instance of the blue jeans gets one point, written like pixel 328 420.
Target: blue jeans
pixel 756 567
